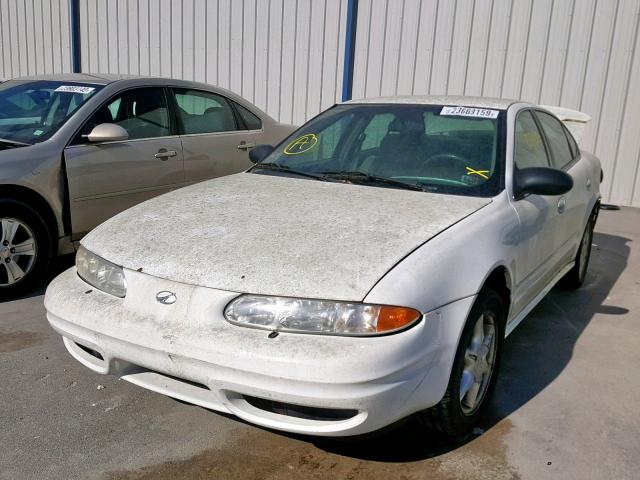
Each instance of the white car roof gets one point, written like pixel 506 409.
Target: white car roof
pixel 454 100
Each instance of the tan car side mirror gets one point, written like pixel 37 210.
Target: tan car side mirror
pixel 107 132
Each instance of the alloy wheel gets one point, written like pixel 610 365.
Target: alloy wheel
pixel 479 361
pixel 18 251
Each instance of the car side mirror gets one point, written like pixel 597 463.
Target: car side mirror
pixel 541 181
pixel 260 152
pixel 107 132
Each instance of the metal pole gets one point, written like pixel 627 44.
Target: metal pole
pixel 74 23
pixel 349 49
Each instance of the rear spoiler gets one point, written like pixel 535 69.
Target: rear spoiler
pixel 574 120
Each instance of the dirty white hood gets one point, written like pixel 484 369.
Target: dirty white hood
pixel 277 235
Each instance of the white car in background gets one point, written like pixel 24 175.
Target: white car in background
pixel 365 270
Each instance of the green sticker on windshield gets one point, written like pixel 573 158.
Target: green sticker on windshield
pixel 301 144
pixel 37 133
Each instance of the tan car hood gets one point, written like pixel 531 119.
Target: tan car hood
pixel 277 235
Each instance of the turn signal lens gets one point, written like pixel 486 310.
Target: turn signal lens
pixel 318 316
pixel 394 318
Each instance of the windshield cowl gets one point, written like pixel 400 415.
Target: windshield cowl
pixel 10 144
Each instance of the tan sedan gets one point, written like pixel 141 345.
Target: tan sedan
pixel 77 149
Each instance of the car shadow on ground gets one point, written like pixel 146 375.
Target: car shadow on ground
pixel 535 354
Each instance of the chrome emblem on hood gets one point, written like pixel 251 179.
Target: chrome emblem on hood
pixel 166 298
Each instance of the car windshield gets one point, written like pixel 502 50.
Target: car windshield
pixel 32 111
pixel 442 148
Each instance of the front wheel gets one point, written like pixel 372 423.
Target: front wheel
pixel 25 248
pixel 474 371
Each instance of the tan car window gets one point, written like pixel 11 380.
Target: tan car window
pixel 204 112
pixel 142 112
pixel 251 121
pixel 529 148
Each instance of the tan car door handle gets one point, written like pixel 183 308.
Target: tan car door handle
pixel 163 154
pixel 246 145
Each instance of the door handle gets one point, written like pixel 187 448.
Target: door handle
pixel 246 145
pixel 588 184
pixel 163 154
pixel 562 204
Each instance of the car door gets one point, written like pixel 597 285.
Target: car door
pixel 566 156
pixel 106 178
pixel 536 258
pixel 215 140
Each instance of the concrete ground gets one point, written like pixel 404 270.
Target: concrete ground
pixel 566 405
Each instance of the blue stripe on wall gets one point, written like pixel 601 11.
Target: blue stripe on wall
pixel 349 49
pixel 74 14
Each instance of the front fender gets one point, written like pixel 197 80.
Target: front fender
pixel 455 263
pixel 35 169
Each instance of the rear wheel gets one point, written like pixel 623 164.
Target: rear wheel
pixel 575 277
pixel 474 371
pixel 25 248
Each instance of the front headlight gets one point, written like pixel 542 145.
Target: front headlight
pixel 100 273
pixel 318 316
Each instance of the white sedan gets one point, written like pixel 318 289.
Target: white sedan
pixel 367 269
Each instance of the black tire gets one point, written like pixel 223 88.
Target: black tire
pixel 449 417
pixel 15 209
pixel 575 277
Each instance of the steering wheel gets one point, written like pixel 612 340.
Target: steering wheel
pixel 450 161
pixel 446 159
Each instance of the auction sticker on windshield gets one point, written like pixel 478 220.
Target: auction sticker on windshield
pixel 470 112
pixel 74 89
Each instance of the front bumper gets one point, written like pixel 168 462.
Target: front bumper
pixel 310 384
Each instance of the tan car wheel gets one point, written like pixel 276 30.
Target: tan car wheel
pixel 25 248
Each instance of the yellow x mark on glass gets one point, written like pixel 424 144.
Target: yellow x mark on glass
pixel 482 173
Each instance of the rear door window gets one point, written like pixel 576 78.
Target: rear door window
pixel 561 154
pixel 204 112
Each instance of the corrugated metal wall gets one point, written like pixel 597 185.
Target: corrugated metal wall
pixel 580 54
pixel 286 56
pixel 29 45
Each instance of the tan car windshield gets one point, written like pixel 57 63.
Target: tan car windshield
pixel 32 111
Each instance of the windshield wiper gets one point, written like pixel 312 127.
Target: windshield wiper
pixel 284 168
pixel 13 143
pixel 355 175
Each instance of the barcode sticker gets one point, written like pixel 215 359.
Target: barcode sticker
pixel 74 89
pixel 470 112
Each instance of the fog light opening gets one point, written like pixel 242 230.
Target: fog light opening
pixel 90 351
pixel 301 411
